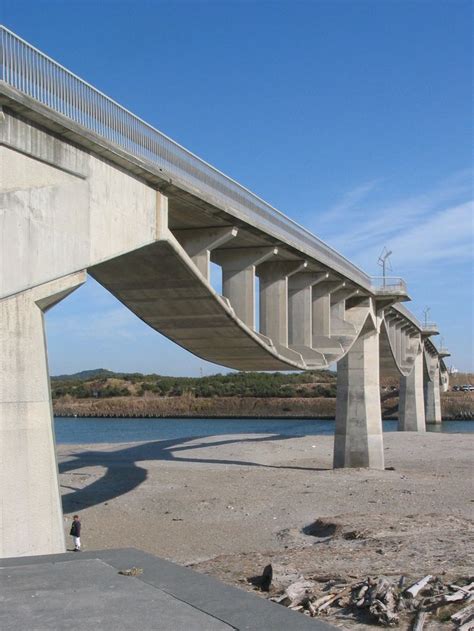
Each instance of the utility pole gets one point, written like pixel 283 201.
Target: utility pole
pixel 384 262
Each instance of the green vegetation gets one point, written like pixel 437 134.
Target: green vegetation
pixel 102 383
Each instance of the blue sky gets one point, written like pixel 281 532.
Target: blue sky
pixel 352 117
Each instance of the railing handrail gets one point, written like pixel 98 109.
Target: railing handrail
pixel 54 83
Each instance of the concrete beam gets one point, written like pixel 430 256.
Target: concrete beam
pixel 31 515
pixel 238 278
pixel 411 407
pixel 358 440
pixel 274 298
pixel 198 243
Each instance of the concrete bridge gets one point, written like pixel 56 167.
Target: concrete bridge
pixel 87 187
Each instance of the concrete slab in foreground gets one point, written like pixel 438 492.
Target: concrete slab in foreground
pixel 85 591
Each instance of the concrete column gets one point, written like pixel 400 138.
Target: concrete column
pixel 31 516
pixel 339 326
pixel 358 440
pixel 274 298
pixel 321 299
pixel 238 278
pixel 432 398
pixel 300 315
pixel 198 243
pixel 411 406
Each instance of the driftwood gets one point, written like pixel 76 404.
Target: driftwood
pixel 419 621
pixel 464 615
pixel 296 593
pixel 383 600
pixel 413 590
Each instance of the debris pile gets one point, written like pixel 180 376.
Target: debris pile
pixel 380 600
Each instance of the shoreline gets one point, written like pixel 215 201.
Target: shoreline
pixel 211 417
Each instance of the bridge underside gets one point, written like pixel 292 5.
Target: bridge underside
pixel 73 204
pixel 172 297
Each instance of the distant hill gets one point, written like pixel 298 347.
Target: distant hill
pixel 84 375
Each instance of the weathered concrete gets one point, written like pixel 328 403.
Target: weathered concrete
pixel 411 407
pixel 274 298
pixel 432 395
pixel 30 508
pixel 238 278
pixel 358 440
pixel 300 315
pixel 199 242
pixel 67 209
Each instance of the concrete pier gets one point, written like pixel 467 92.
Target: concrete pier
pixel 31 516
pixel 432 397
pixel 411 407
pixel 358 440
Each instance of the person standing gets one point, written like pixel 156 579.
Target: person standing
pixel 76 533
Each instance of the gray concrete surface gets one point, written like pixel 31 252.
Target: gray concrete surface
pixel 84 591
pixel 411 410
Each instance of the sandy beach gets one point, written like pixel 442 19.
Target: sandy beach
pixel 228 505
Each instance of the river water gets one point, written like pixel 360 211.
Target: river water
pixel 127 430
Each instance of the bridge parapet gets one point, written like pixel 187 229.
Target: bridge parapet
pixel 429 328
pixel 391 286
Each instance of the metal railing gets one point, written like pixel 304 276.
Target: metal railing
pixel 32 73
pixel 388 285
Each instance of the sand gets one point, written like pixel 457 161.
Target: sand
pixel 228 505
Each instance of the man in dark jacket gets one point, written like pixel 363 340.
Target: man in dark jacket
pixel 76 533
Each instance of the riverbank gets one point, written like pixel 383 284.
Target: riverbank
pixel 228 505
pixel 454 406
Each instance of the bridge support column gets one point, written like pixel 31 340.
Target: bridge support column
pixel 31 516
pixel 432 399
pixel 274 298
pixel 198 243
pixel 411 407
pixel 358 440
pixel 300 316
pixel 238 278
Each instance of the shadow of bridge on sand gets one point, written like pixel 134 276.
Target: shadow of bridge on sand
pixel 123 474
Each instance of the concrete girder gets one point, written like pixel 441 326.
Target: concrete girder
pixel 238 277
pixel 28 467
pixel 274 298
pixel 198 243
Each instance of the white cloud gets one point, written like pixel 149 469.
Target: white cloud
pixel 349 201
pixel 431 227
pixel 447 236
